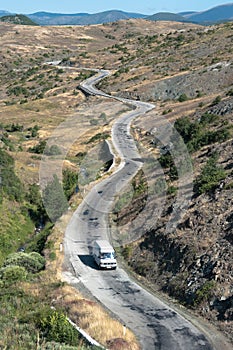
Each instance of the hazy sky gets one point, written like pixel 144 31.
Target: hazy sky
pixel 93 6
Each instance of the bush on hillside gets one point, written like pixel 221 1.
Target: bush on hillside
pixel 70 181
pixel 55 327
pixel 39 148
pixel 37 244
pixel 32 262
pixel 12 274
pixel 210 176
pixel 197 134
pixel 36 208
pixel 10 183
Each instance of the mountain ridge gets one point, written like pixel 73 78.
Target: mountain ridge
pixel 215 14
pixel 220 13
pixel 84 19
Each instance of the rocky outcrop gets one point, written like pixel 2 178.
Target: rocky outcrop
pixel 199 82
pixel 222 108
pixel 193 263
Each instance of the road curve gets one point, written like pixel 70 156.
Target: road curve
pixel 156 325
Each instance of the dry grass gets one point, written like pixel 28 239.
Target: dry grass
pixel 94 319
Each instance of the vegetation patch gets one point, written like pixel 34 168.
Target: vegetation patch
pixel 210 176
pixel 197 134
pixel 99 137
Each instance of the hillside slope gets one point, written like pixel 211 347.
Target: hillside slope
pixel 166 16
pixel 186 70
pixel 213 15
pixel 18 19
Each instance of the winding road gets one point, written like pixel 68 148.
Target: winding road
pixel 156 325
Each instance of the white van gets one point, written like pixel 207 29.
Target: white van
pixel 104 255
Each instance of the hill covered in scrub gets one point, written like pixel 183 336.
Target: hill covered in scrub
pixel 18 19
pixel 186 71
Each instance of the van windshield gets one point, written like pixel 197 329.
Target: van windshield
pixel 107 256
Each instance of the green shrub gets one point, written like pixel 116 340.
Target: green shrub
pixel 70 181
pixel 14 127
pixel 167 162
pixel 166 111
pixel 32 262
pixel 186 128
pixel 39 148
pixel 52 256
pixel 197 134
pixel 33 194
pixel 10 183
pixel 38 257
pixel 216 101
pixel 18 90
pixel 37 244
pixel 12 274
pixel 99 136
pixel 55 327
pixel 172 190
pixel 207 138
pixel 210 176
pixel 183 98
pixel 36 208
pixel 204 292
pixel 208 118
pixel 34 130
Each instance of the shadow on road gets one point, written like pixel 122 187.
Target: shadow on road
pixel 88 261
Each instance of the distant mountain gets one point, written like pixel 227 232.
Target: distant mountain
pixel 166 16
pixel 4 13
pixel 46 18
pixel 52 14
pixel 18 19
pixel 187 13
pixel 216 14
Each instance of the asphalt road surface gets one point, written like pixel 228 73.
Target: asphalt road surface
pixel 156 325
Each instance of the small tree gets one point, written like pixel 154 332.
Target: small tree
pixel 70 181
pixel 35 208
pixel 183 98
pixel 34 131
pixel 39 148
pixel 210 176
pixel 10 183
pixel 216 100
